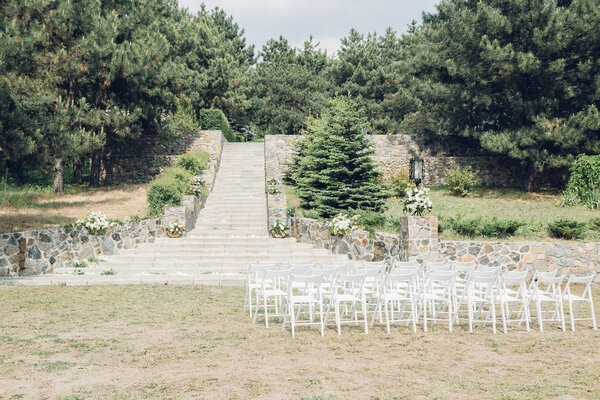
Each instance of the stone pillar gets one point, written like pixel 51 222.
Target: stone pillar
pixel 419 238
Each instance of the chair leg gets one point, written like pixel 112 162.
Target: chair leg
pixel 539 315
pixel 561 314
pixel 413 314
pixel 322 320
pixel 571 315
pixel 337 318
pixel 364 310
pixel 424 315
pixel 266 311
pixel 592 310
pixel 292 319
pixel 256 311
pixel 503 316
pixel 387 317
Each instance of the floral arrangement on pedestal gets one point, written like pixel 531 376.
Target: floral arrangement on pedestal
pixel 279 229
pixel 95 222
pixel 417 201
pixel 342 224
pixel 175 229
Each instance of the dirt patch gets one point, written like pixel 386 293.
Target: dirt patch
pixel 118 202
pixel 195 342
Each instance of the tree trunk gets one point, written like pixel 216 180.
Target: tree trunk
pixel 95 166
pixel 77 167
pixel 108 169
pixel 59 175
pixel 530 185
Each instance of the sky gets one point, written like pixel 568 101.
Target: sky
pixel 326 20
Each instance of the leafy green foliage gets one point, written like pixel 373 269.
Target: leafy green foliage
pixel 399 182
pixel 460 181
pixel 337 173
pixel 194 161
pixel 584 182
pixel 566 229
pixel 212 119
pixel 472 227
pixel 517 78
pixel 167 189
pixel 594 224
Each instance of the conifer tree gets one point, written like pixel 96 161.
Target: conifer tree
pixel 337 173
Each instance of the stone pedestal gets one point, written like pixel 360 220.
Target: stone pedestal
pixel 419 238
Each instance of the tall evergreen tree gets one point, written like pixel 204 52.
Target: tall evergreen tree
pixel 518 77
pixel 337 173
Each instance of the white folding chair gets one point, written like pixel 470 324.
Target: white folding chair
pixel 399 293
pixel 348 295
pixel 551 295
pixel 304 291
pixel 513 293
pixel 253 281
pixel 272 294
pixel 584 297
pixel 481 297
pixel 404 266
pixel 437 297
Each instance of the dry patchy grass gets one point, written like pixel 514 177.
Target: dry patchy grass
pixel 196 343
pixel 44 211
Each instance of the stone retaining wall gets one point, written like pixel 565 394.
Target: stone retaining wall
pixel 393 152
pixel 572 257
pixel 40 251
pixel 357 244
pixel 138 161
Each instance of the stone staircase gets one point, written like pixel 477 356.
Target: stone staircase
pixel 231 231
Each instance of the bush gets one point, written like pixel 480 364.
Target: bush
pixel 214 119
pixel 472 227
pixel 566 229
pixel 184 120
pixel 460 181
pixel 194 162
pixel 584 177
pixel 399 182
pixel 500 228
pixel 594 224
pixel 167 189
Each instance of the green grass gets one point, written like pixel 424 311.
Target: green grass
pixel 535 209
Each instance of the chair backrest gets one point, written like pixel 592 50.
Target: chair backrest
pixel 275 278
pixel 585 280
pixel 515 277
pixel 553 284
pixel 463 267
pixel 302 269
pixel 404 281
pixel 372 264
pixel 437 267
pixel 484 268
pixel 351 283
pixel 404 266
pixel 307 284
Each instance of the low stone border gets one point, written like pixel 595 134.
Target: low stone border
pixel 576 257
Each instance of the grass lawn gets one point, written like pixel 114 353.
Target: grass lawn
pixel 190 342
pixel 536 209
pixel 32 207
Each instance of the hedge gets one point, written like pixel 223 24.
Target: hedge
pixel 194 161
pixel 214 119
pixel 584 177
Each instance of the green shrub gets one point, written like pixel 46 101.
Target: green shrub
pixel 214 119
pixel 370 220
pixel 399 182
pixel 500 228
pixel 460 181
pixel 183 120
pixel 594 224
pixel 472 227
pixel 584 179
pixel 195 161
pixel 566 229
pixel 167 189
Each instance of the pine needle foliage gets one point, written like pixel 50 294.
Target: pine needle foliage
pixel 337 172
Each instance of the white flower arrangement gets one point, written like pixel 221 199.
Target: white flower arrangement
pixel 279 229
pixel 417 201
pixel 95 222
pixel 197 181
pixel 197 186
pixel 342 224
pixel 176 228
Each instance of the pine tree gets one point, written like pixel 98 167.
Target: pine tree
pixel 337 173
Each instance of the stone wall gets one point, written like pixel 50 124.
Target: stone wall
pixel 393 152
pixel 138 161
pixel 357 244
pixel 276 203
pixel 40 251
pixel 419 237
pixel 571 257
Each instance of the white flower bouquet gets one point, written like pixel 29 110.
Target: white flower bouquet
pixel 176 229
pixel 417 201
pixel 95 222
pixel 342 224
pixel 279 229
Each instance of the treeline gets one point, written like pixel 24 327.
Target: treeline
pixel 517 78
